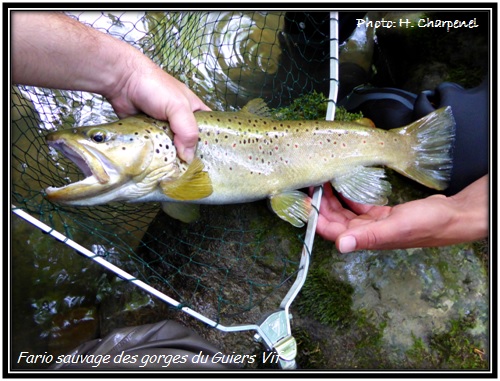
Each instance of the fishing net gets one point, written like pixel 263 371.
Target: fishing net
pixel 235 263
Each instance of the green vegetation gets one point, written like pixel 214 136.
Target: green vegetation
pixel 326 299
pixel 451 349
pixel 311 107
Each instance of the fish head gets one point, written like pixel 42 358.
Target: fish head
pixel 116 158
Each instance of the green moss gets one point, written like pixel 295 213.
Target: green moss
pixel 326 299
pixel 342 115
pixel 311 107
pixel 454 348
pixel 309 352
pixel 481 248
pixel 307 107
pixel 368 349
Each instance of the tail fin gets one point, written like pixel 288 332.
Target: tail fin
pixel 431 141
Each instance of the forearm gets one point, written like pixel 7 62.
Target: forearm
pixel 53 50
pixel 472 211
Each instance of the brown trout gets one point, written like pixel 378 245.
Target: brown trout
pixel 246 156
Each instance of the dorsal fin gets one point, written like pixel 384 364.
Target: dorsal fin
pixel 257 107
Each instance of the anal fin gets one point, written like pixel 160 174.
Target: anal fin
pixel 364 185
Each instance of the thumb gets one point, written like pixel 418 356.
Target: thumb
pixel 371 236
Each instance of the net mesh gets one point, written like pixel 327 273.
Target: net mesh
pixel 234 258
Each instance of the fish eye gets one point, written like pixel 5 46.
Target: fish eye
pixel 98 136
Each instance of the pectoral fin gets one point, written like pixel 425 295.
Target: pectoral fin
pixel 194 184
pixel 182 211
pixel 293 207
pixel 364 185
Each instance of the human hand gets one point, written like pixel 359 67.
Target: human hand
pixel 156 93
pixel 433 221
pixel 53 50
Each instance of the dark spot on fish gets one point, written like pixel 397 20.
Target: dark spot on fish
pixel 217 140
pixel 335 142
pixel 381 143
pixel 157 150
pixel 167 147
pixel 364 141
pixel 201 156
pixel 131 139
pixel 120 123
pixel 229 119
pixel 165 159
pixel 250 157
pixel 343 145
pixel 136 133
pixel 148 131
pixel 160 145
pixel 146 137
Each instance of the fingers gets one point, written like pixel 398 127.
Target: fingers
pixel 379 231
pixel 164 97
pixel 186 136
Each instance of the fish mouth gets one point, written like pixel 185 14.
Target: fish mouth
pixel 100 174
